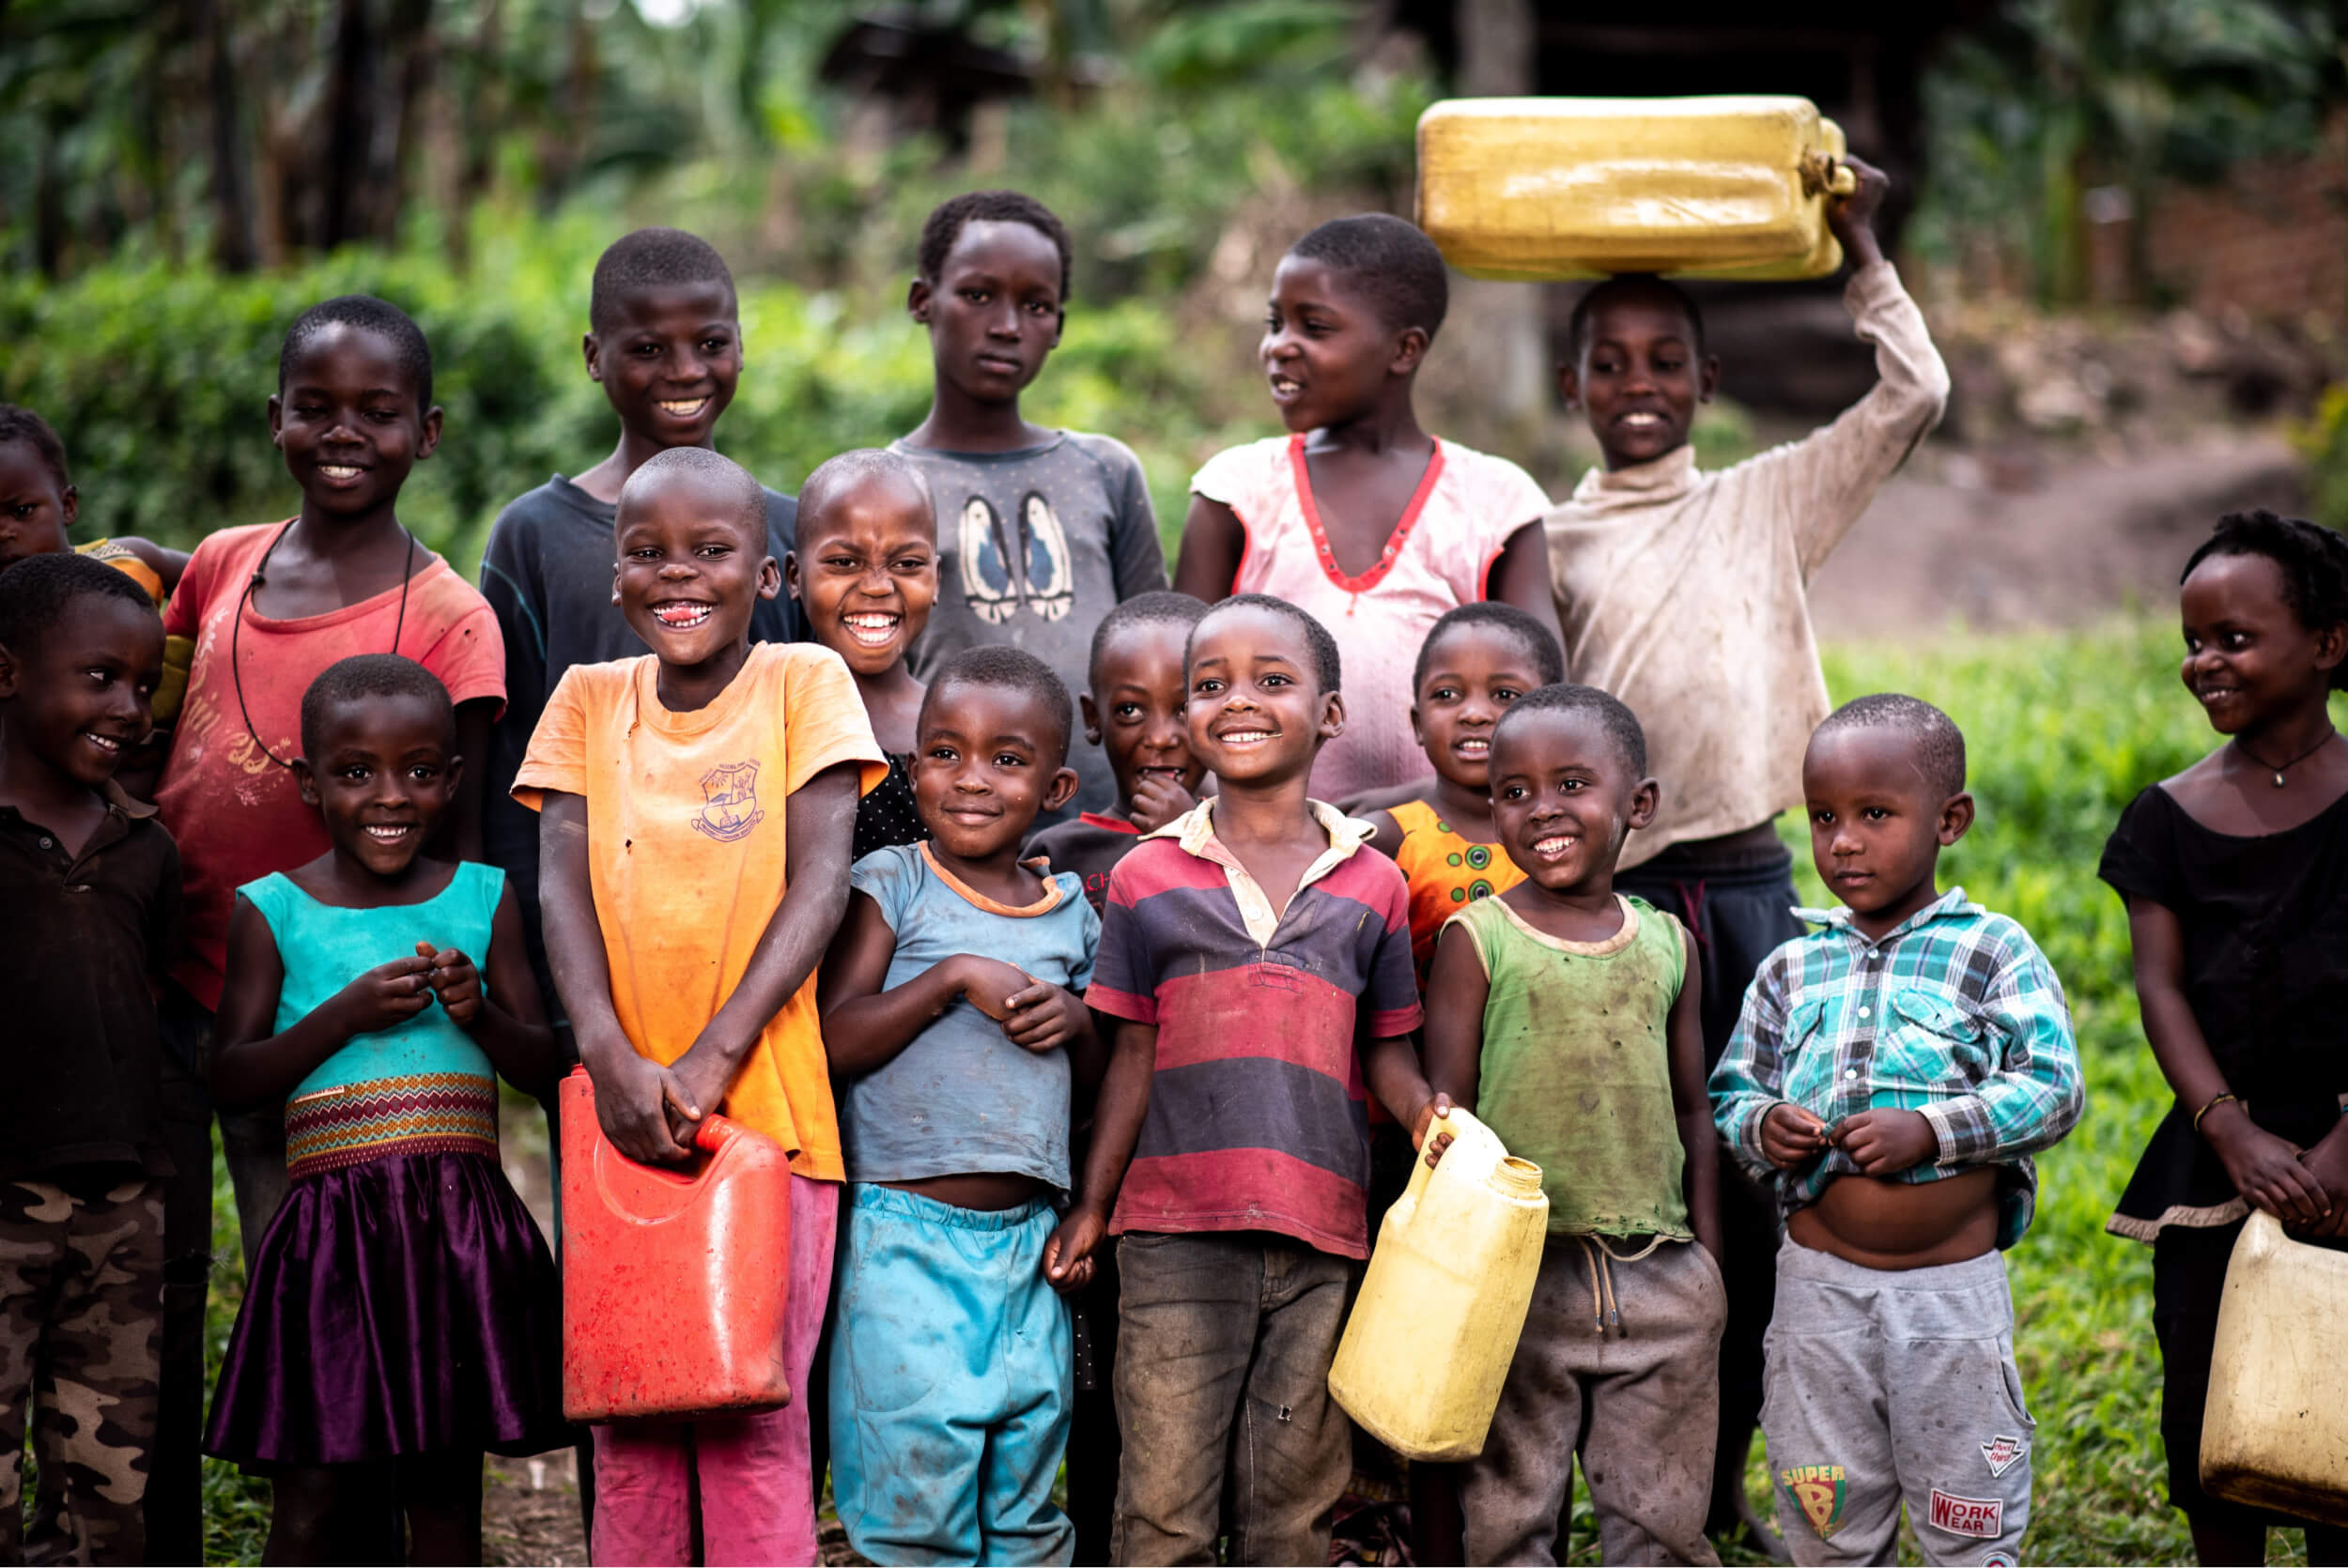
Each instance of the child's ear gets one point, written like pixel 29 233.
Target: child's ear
pixel 591 349
pixel 71 503
pixel 769 577
pixel 1569 385
pixel 1092 718
pixel 791 574
pixel 1060 325
pixel 11 676
pixel 1645 801
pixel 1332 717
pixel 306 782
pixel 1956 815
pixel 430 441
pixel 1056 794
pixel 2331 644
pixel 1708 379
pixel 918 299
pixel 276 423
pixel 456 771
pixel 1409 351
pixel 1418 734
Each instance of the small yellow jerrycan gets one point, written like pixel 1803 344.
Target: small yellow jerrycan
pixel 1436 1324
pixel 2275 1431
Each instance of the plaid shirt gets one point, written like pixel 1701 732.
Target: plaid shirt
pixel 1955 1015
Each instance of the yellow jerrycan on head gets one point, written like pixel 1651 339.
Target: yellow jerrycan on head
pixel 2275 1431
pixel 1543 188
pixel 1436 1322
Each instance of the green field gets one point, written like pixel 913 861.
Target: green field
pixel 2063 731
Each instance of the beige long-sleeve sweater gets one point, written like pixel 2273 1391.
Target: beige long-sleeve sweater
pixel 1685 593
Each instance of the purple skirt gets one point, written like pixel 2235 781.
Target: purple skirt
pixel 398 1306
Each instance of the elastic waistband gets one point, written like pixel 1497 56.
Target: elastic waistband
pixel 866 1197
pixel 1807 1263
pixel 425 1112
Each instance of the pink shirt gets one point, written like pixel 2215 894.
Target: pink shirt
pixel 1438 558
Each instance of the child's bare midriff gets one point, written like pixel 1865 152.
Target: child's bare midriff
pixel 1880 1223
pixel 987 1191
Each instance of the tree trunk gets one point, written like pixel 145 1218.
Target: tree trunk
pixel 231 182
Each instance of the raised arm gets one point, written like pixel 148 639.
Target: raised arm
pixel 1213 540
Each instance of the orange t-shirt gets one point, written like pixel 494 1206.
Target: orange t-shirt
pixel 684 847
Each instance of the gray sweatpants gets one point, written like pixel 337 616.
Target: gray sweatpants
pixel 1620 1363
pixel 1888 1385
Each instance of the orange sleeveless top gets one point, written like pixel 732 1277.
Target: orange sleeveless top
pixel 1446 874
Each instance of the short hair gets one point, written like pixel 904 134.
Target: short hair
pixel 1938 745
pixel 852 470
pixel 38 590
pixel 1320 648
pixel 650 258
pixel 1390 260
pixel 365 675
pixel 1159 608
pixel 1008 668
pixel 700 463
pixel 1549 659
pixel 2312 559
pixel 22 424
pixel 1644 286
pixel 371 315
pixel 1560 696
pixel 949 218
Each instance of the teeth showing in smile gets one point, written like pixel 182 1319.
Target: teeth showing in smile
pixel 105 743
pixel 1474 746
pixel 679 615
pixel 1245 737
pixel 387 833
pixel 683 408
pixel 1283 387
pixel 1552 846
pixel 338 471
pixel 872 630
pixel 1639 420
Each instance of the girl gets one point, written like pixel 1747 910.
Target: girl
pixel 401 1314
pixel 2235 874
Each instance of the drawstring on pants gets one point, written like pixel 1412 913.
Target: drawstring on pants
pixel 1599 1259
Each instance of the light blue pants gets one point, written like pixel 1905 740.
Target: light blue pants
pixel 950 1383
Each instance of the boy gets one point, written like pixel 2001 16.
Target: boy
pixel 1133 712
pixel 89 906
pixel 664 341
pixel 1559 1011
pixel 1889 1079
pixel 1358 515
pixel 1645 542
pixel 696 804
pixel 1260 965
pixel 949 1370
pixel 1041 532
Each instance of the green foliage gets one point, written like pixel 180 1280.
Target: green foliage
pixel 2325 440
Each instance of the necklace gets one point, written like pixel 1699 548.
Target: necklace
pixel 235 627
pixel 2280 768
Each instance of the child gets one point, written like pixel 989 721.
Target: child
pixel 1890 1077
pixel 1559 1011
pixel 664 341
pixel 2232 873
pixel 1132 712
pixel 864 585
pixel 1043 531
pixel 89 906
pixel 402 1313
pixel 698 804
pixel 1360 517
pixel 1260 965
pixel 949 1375
pixel 1648 545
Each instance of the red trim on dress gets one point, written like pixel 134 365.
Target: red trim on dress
pixel 1394 540
pixel 1115 824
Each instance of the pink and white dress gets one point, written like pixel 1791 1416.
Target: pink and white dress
pixel 1439 556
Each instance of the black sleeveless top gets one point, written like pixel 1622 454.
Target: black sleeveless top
pixel 885 816
pixel 2265 927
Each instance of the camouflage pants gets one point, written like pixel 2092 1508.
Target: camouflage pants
pixel 81 1311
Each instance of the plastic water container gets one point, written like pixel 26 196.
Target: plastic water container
pixel 2275 1431
pixel 1436 1322
pixel 675 1280
pixel 1539 188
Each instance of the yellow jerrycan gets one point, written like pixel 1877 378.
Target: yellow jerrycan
pixel 2275 1431
pixel 1541 188
pixel 1436 1324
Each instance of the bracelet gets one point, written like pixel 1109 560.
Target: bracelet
pixel 2216 1100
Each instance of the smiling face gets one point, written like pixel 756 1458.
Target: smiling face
pixel 1256 712
pixel 692 565
pixel 34 509
pixel 866 571
pixel 1639 378
pixel 1878 824
pixel 1565 798
pixel 385 771
pixel 350 422
pixel 2247 657
pixel 987 760
pixel 1473 674
pixel 1327 352
pixel 81 697
pixel 994 310
pixel 1134 708
pixel 669 360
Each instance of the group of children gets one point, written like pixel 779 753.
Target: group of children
pixel 782 809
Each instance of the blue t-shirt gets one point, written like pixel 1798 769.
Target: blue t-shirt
pixel 962 1098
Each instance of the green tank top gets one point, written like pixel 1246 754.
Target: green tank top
pixel 1576 1069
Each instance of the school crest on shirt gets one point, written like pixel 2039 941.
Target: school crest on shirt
pixel 1015 561
pixel 1819 1491
pixel 728 802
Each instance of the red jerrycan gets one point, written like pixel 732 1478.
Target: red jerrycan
pixel 675 1282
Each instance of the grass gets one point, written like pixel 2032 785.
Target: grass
pixel 2064 729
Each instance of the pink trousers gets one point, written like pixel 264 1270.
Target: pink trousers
pixel 751 1473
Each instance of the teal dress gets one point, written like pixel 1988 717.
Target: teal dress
pixel 402 1301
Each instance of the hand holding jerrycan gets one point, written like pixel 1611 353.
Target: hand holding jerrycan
pixel 1436 1322
pixel 675 1282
